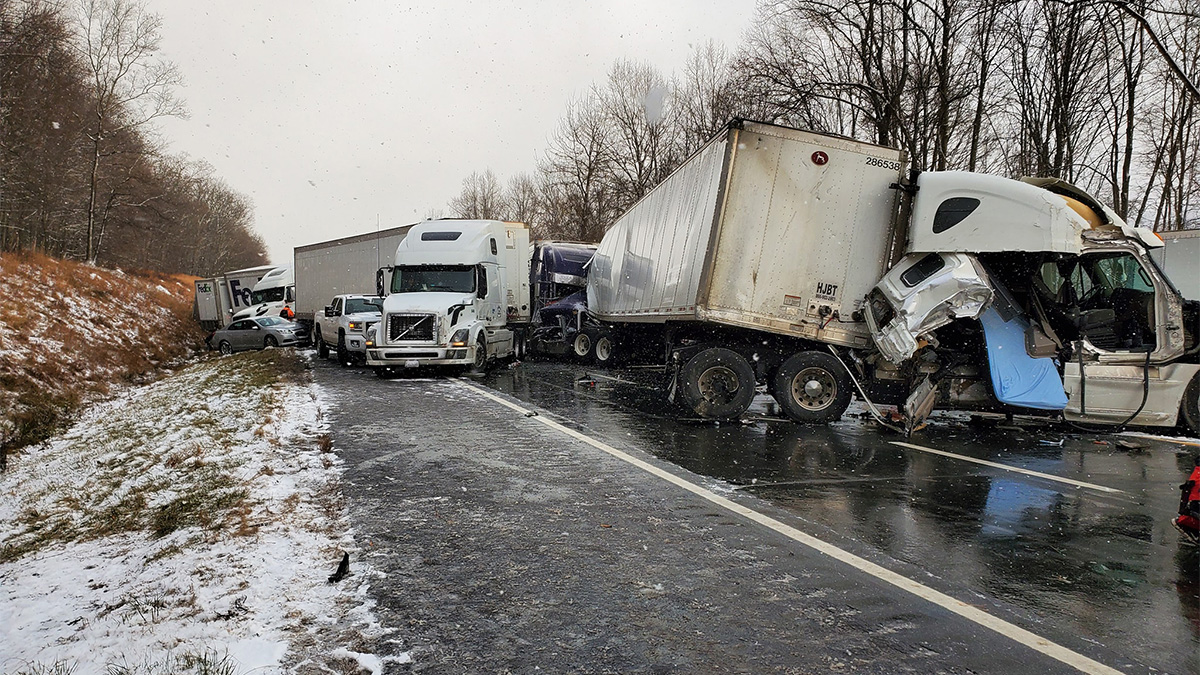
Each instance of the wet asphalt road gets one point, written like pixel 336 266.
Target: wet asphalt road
pixel 509 547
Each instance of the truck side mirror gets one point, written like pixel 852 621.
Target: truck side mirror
pixel 329 311
pixel 379 278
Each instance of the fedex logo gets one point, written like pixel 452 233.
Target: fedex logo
pixel 240 296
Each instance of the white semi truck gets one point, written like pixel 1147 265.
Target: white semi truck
pixel 805 262
pixel 273 295
pixel 457 295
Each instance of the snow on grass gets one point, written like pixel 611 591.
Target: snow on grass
pixel 186 526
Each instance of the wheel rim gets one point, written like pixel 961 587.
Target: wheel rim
pixel 718 385
pixel 225 348
pixel 603 349
pixel 480 354
pixel 272 342
pixel 814 388
pixel 583 344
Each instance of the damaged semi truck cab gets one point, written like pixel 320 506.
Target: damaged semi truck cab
pixel 1027 296
pixel 457 294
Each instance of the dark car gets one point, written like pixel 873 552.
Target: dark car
pixel 257 333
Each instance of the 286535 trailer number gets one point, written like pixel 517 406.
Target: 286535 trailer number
pixel 883 163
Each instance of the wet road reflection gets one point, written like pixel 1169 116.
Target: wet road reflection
pixel 1067 562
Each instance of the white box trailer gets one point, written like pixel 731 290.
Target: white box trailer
pixel 341 267
pixel 1180 260
pixel 219 298
pixel 766 228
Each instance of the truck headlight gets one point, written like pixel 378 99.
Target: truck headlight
pixel 356 325
pixel 459 339
pixel 371 333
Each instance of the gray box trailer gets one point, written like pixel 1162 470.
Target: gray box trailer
pixel 746 262
pixel 1180 260
pixel 341 266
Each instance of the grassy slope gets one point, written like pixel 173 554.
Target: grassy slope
pixel 69 331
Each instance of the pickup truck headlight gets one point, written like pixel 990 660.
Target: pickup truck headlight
pixel 459 339
pixel 356 326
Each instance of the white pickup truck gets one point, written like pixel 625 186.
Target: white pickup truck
pixel 342 325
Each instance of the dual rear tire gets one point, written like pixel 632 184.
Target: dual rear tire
pixel 811 387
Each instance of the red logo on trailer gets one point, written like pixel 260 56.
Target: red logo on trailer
pixel 819 158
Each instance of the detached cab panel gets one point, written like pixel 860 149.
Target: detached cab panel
pixel 922 293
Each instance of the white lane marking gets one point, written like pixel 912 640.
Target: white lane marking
pixel 1017 469
pixel 1011 631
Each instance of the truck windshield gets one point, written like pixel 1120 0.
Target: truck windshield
pixel 356 305
pixel 267 295
pixel 421 278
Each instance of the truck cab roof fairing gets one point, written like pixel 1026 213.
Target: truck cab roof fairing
pixel 1010 216
pixel 432 243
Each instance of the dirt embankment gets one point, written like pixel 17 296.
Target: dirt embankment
pixel 69 332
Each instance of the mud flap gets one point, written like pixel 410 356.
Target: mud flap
pixel 919 405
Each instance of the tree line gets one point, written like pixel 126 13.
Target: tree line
pixel 82 173
pixel 1099 93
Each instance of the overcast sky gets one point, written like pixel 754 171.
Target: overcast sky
pixel 334 115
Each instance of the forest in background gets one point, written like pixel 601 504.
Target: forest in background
pixel 83 175
pixel 1099 93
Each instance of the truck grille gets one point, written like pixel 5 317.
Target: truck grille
pixel 418 327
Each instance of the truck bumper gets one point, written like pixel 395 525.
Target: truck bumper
pixel 415 357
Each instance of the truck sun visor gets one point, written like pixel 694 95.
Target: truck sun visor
pixel 443 236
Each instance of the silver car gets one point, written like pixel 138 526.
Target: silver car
pixel 257 333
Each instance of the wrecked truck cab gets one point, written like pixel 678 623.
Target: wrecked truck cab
pixel 1079 318
pixel 922 293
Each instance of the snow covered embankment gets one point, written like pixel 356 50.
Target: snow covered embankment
pixel 188 525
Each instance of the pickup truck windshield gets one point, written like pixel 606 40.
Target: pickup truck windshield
pixel 356 305
pixel 267 295
pixel 422 278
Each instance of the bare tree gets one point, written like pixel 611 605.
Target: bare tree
pixel 521 200
pixel 577 169
pixel 480 198
pixel 117 43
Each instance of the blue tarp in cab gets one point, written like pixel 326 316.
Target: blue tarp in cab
pixel 1018 379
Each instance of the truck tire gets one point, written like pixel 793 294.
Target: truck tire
pixel 604 348
pixel 1189 409
pixel 812 387
pixel 322 348
pixel 519 344
pixel 717 383
pixel 480 363
pixel 581 346
pixel 225 347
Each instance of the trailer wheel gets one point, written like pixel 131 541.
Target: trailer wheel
pixel 1189 410
pixel 322 347
pixel 812 387
pixel 225 347
pixel 581 346
pixel 717 383
pixel 603 349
